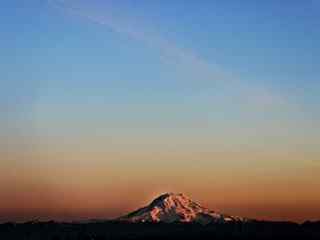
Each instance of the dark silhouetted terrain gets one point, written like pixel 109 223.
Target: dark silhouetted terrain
pixel 153 231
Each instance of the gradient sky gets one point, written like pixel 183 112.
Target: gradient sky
pixel 106 104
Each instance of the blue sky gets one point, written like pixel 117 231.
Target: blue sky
pixel 194 58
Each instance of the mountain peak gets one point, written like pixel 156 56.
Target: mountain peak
pixel 166 197
pixel 176 207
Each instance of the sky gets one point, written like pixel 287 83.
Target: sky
pixel 106 104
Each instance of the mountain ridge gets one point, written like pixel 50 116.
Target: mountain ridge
pixel 177 207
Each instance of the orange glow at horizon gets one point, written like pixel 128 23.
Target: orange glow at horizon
pixel 65 186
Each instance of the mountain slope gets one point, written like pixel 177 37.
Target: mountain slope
pixel 171 207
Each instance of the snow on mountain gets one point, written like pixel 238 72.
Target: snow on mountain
pixel 171 207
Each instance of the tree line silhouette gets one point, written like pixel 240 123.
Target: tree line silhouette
pixel 155 231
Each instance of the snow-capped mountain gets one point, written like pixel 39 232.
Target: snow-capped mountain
pixel 171 207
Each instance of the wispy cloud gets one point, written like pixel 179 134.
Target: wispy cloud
pixel 124 24
pixel 188 63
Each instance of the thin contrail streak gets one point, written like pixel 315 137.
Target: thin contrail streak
pixel 193 67
pixel 170 53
